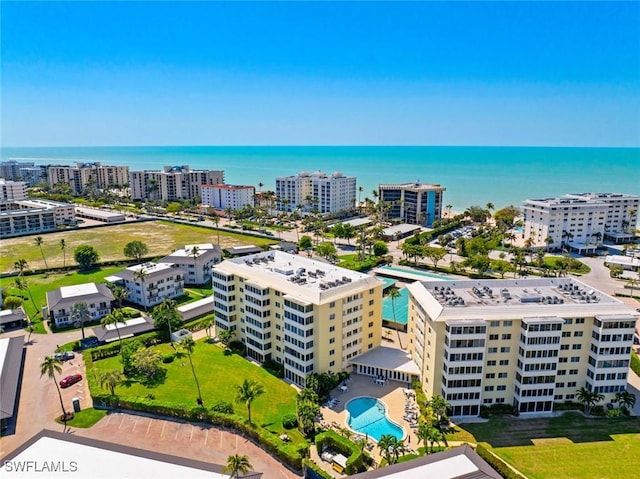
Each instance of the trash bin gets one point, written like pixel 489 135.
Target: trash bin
pixel 76 404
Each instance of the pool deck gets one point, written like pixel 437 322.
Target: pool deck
pixel 391 394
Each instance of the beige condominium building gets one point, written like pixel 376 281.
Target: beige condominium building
pixel 311 316
pixel 172 183
pixel 85 175
pixel 316 191
pixel 528 342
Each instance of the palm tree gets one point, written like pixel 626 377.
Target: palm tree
pixel 80 314
pixel 390 448
pixel 50 367
pixel 632 283
pixel 247 392
pixel 166 311
pixel 394 293
pixel 448 207
pixel 39 242
pixel 588 399
pixel 626 400
pixel 63 247
pixel 141 274
pixel 195 252
pixel 115 318
pixel 31 329
pixel 360 190
pixel 236 465
pixel 216 221
pixel 119 294
pixel 21 265
pixel 109 380
pixel 188 344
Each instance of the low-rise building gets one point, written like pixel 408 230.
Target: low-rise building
pixel 195 261
pixel 11 364
pixel 100 215
pixel 96 296
pixel 149 284
pixel 126 329
pixel 523 342
pixel 222 197
pixel 13 318
pixel 31 216
pixel 310 316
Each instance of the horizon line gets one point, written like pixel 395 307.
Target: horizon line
pixel 320 146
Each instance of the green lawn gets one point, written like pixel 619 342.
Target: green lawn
pixel 350 261
pixel 85 418
pixel 567 447
pixel 218 375
pixel 39 284
pixel 161 237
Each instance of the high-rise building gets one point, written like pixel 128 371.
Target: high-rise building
pixel 580 221
pixel 528 343
pixel 414 203
pixel 12 190
pixel 222 197
pixel 10 170
pixel 85 176
pixel 172 183
pixel 316 191
pixel 310 316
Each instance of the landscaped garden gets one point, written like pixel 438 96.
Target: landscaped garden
pixel 567 447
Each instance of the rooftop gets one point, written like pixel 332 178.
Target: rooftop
pixel 309 279
pixel 78 290
pixel 416 185
pixel 187 251
pixel 399 229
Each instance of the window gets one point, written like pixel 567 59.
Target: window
pixel 564 347
pixel 504 362
pixel 495 324
pixel 502 387
pixel 493 337
pixel 332 340
pixel 488 388
pixel 491 362
pixel 563 360
pixel 506 337
pixel 502 375
pixel 579 320
pixel 492 350
pixel 572 384
pixel 332 329
pixel 573 371
pixel 332 304
pixel 332 364
pixel 490 375
pixel 332 352
pixel 371 301
pixel 505 349
pixel 566 334
pixel 577 334
pixel 371 324
pixel 507 323
pixel 332 316
pixel 576 346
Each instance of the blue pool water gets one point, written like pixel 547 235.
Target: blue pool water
pixel 416 272
pixel 518 229
pixel 401 307
pixel 367 416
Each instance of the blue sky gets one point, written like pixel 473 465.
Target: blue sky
pixel 327 73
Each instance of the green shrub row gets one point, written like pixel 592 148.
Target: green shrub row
pixel 568 406
pixel 356 458
pixel 498 409
pixel 635 363
pixel 309 464
pixel 289 453
pixel 498 464
pixel 434 233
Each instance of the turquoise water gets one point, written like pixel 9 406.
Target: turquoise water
pixel 401 307
pixel 367 416
pixel 471 175
pixel 416 272
pixel 387 282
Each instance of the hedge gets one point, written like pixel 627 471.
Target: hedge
pixel 434 233
pixel 309 464
pixel 501 467
pixel 356 458
pixel 635 363
pixel 288 453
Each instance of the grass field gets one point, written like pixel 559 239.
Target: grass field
pixel 566 447
pixel 85 418
pixel 161 237
pixel 218 375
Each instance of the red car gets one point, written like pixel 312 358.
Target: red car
pixel 69 380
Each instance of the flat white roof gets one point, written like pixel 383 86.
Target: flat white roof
pixel 99 213
pixel 78 290
pixel 97 463
pixel 150 268
pixel 130 322
pixel 619 259
pixel 449 468
pixel 392 359
pixel 188 249
pixel 357 222
pixel 196 304
pixel 401 228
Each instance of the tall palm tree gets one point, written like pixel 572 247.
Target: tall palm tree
pixel 390 448
pixel 50 367
pixel 237 465
pixel 167 311
pixel 195 252
pixel 394 293
pixel 120 293
pixel 80 313
pixel 141 274
pixel 21 284
pixel 632 283
pixel 39 242
pixel 216 221
pixel 448 207
pixel 63 247
pixel 247 392
pixel 188 344
pixel 114 319
pixel 21 265
pixel 110 379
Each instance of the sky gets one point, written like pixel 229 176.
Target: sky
pixel 320 73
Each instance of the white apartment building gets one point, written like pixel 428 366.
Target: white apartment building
pixel 149 284
pixel 316 191
pixel 87 175
pixel 308 315
pixel 195 261
pixel 414 203
pixel 580 221
pixel 33 216
pixel 222 197
pixel 10 169
pixel 172 183
pixel 96 296
pixel 528 342
pixel 12 190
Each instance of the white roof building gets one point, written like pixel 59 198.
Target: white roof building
pixel 195 261
pixel 60 301
pixel 149 284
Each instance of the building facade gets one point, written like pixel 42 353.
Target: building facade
pixel 85 176
pixel 149 284
pixel 307 315
pixel 529 343
pixel 222 197
pixel 61 301
pixel 10 170
pixel 33 216
pixel 12 190
pixel 316 191
pixel 195 261
pixel 172 183
pixel 413 203
pixel 622 211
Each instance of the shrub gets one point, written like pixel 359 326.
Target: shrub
pixel 168 358
pixel 356 458
pixel 319 472
pixel 237 347
pixel 274 367
pixel 223 407
pixel 498 464
pixel 289 421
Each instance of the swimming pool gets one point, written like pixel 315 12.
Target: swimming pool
pixel 367 415
pixel 392 269
pixel 401 307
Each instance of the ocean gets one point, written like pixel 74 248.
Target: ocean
pixel 471 175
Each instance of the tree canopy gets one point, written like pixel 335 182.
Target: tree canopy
pixel 86 256
pixel 135 249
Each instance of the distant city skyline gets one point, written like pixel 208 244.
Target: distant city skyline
pixel 320 73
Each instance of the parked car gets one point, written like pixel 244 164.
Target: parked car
pixel 70 380
pixel 64 356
